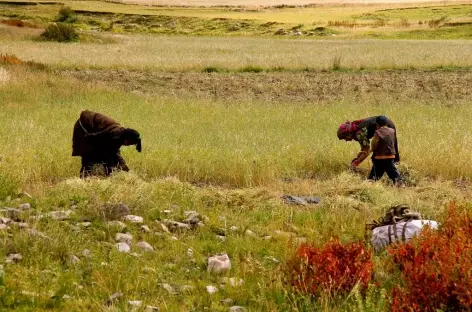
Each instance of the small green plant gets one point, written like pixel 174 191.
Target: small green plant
pixel 66 14
pixel 336 63
pixel 60 32
pixel 211 69
pixel 251 69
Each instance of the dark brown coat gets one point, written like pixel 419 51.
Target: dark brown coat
pixel 95 134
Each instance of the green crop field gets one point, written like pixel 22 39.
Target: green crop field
pixel 236 106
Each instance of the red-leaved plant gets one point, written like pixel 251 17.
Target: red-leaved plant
pixel 436 267
pixel 332 269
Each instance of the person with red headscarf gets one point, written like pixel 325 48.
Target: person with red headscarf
pixel 362 131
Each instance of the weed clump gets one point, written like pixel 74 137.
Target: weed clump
pixel 251 69
pixel 60 32
pixel 66 15
pixel 436 268
pixel 211 69
pixel 332 269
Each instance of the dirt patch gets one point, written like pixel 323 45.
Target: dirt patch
pixel 450 86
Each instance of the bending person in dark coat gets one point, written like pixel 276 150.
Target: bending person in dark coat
pixel 362 131
pixel 98 139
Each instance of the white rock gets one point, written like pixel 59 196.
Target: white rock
pixel 4 220
pixel 272 259
pixel 135 303
pixel 221 237
pixel 219 263
pixel 166 211
pixel 4 227
pixel 211 289
pixel 145 246
pixel 11 258
pixel 163 227
pixel 21 225
pixel 234 228
pixel 84 224
pixel 86 253
pixel 60 215
pixel 116 224
pixel 267 237
pixel 190 252
pixel 237 309
pixel 25 206
pixel 250 233
pixel 74 259
pixel 123 247
pixel 234 282
pixel 152 309
pixel 135 254
pixel 67 297
pixel 134 219
pixel 145 229
pixel 123 238
pixel 169 288
pixel 36 233
pixel 174 238
pixel 177 226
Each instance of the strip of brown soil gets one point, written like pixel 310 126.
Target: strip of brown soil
pixel 448 86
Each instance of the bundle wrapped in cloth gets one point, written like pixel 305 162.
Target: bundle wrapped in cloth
pixel 398 225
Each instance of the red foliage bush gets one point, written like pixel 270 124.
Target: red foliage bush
pixel 436 267
pixel 9 59
pixel 13 22
pixel 333 268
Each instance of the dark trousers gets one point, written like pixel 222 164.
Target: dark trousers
pixel 92 165
pixel 380 166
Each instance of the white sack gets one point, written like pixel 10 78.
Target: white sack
pixel 380 238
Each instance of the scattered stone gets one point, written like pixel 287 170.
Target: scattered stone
pixel 272 259
pixel 221 238
pixel 145 246
pixel 104 263
pixel 149 270
pixel 12 213
pixel 115 211
pixel 227 301
pixel 84 224
pixel 234 282
pixel 116 224
pixel 134 219
pixel 36 233
pixel 267 237
pixel 163 227
pixel 74 259
pixel 114 298
pixel 250 233
pixel 190 253
pixel 167 212
pixel 67 297
pixel 4 227
pixel 174 226
pixel 25 194
pixel 145 229
pixel 135 254
pixel 4 220
pixel 123 238
pixel 60 215
pixel 25 206
pixel 123 247
pixel 86 253
pixel 211 289
pixel 135 303
pixel 169 288
pixel 237 309
pixel 174 238
pixel 12 258
pixel 192 217
pixel 152 309
pixel 219 263
pixel 234 228
pixel 298 33
pixel 21 225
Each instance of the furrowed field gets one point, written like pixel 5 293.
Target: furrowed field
pixel 230 121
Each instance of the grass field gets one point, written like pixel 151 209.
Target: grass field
pixel 230 121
